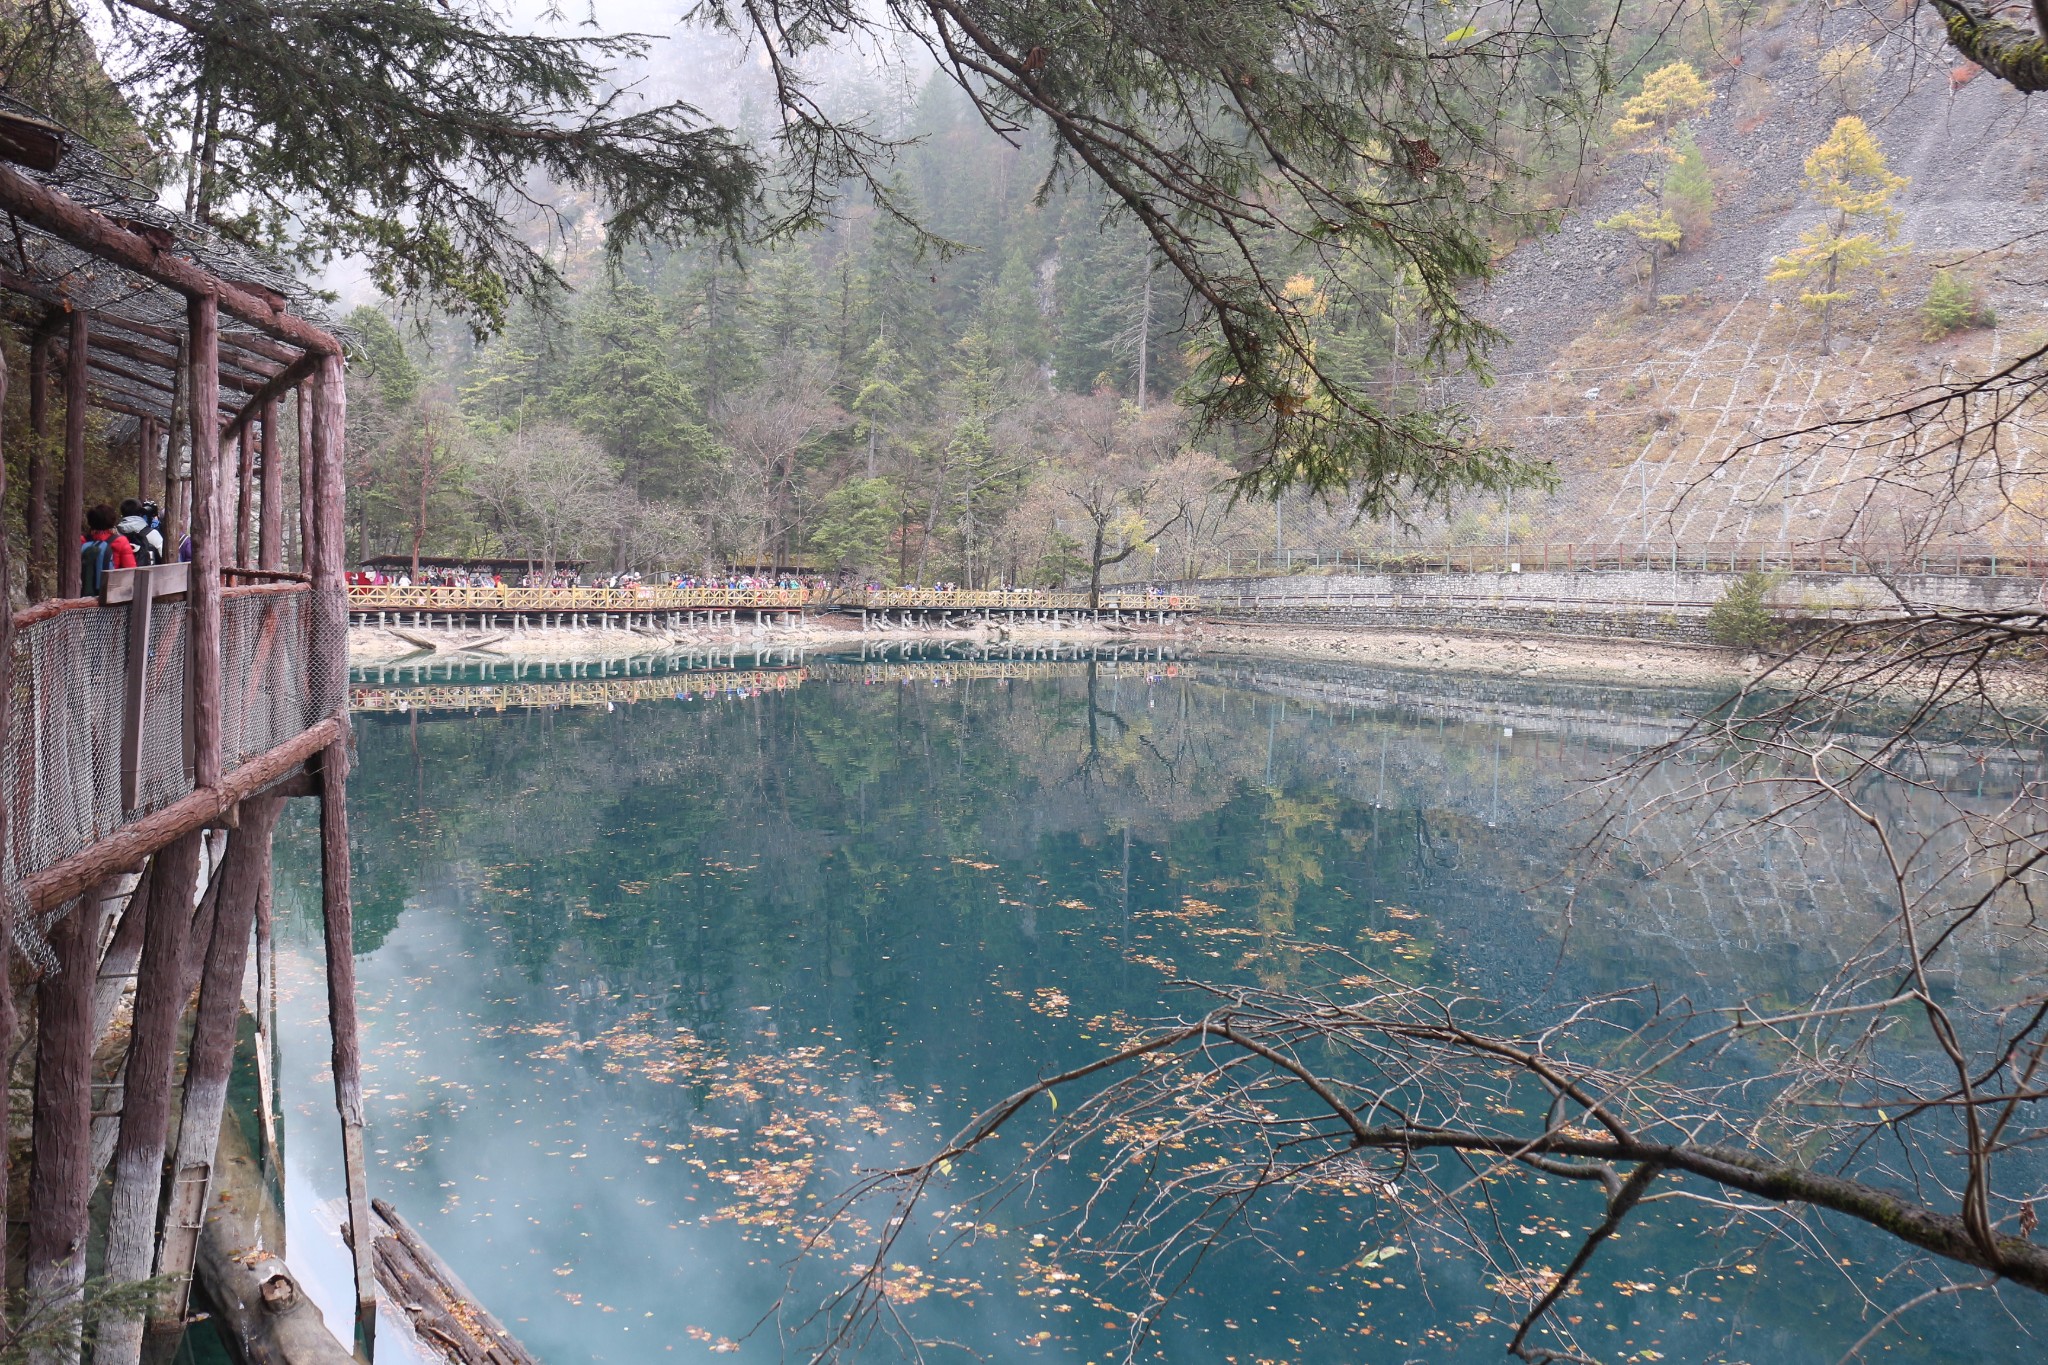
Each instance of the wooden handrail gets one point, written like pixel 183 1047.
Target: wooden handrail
pixel 127 846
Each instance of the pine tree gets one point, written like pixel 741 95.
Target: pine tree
pixel 623 386
pixel 397 130
pixel 855 525
pixel 1669 95
pixel 1689 188
pixel 1954 304
pixel 1848 175
pixel 881 402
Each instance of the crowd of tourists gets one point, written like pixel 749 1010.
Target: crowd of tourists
pixel 633 581
pixel 130 538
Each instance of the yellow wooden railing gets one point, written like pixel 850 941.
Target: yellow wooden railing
pixel 386 596
pixel 389 597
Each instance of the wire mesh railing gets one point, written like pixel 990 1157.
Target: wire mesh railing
pixel 63 769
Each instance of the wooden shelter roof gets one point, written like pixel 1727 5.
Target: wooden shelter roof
pixel 84 234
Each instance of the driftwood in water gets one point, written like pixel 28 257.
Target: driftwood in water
pixel 444 1314
pixel 263 1309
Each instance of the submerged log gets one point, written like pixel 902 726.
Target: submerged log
pixel 264 1312
pixel 444 1314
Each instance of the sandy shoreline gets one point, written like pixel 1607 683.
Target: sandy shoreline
pixel 1529 656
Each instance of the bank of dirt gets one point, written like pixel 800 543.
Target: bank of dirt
pixel 1531 656
pixel 1525 656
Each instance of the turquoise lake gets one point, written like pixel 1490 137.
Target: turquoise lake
pixel 647 981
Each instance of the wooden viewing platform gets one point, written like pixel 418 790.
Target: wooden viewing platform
pixel 151 734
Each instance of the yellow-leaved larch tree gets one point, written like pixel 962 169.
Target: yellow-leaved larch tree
pixel 1670 95
pixel 1847 174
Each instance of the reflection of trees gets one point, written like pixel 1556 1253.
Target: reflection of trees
pixel 705 849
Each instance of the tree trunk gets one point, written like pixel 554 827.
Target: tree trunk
pixel 1095 569
pixel 1145 338
pixel 160 990
pixel 419 524
pixel 62 1180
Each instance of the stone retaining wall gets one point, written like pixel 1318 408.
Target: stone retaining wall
pixel 1666 607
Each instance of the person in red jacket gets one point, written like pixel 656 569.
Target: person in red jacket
pixel 103 549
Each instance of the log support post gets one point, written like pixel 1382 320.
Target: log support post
pixel 7 1020
pixel 160 989
pixel 203 658
pixel 270 495
pixel 302 406
pixel 146 437
pixel 60 1185
pixel 209 1060
pixel 71 500
pixel 38 510
pixel 245 488
pixel 330 689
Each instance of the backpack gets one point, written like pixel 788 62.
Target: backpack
pixel 95 558
pixel 147 549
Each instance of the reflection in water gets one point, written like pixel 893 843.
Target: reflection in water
pixel 646 983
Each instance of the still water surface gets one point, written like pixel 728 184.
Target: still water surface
pixel 643 984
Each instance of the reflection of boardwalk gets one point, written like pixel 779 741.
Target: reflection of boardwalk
pixel 573 692
pixel 963 670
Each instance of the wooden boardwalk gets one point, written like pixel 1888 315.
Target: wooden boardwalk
pixel 389 605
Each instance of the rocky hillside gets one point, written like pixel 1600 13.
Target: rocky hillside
pixel 1656 412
